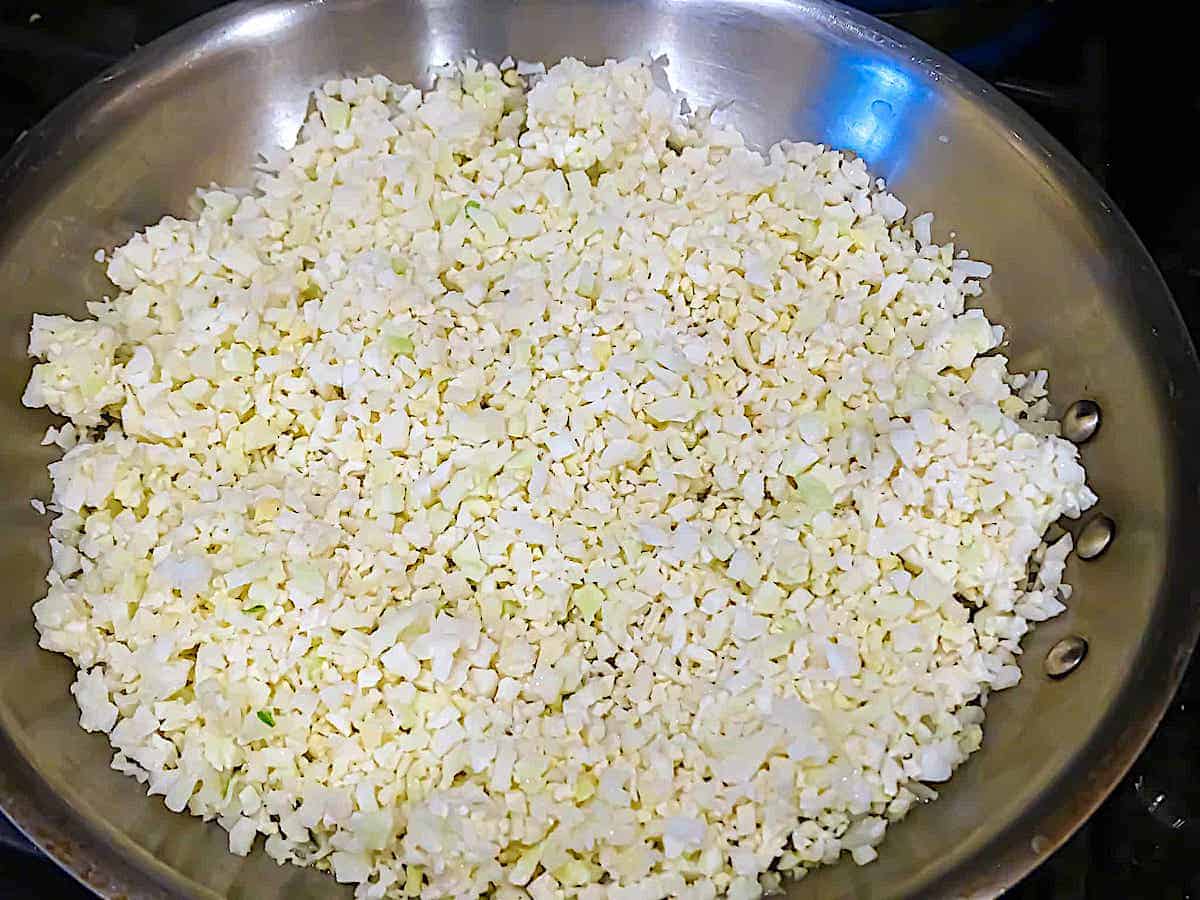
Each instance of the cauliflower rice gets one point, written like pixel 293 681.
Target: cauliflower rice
pixel 528 489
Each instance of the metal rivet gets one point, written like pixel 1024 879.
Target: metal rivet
pixel 1095 537
pixel 1081 421
pixel 1065 656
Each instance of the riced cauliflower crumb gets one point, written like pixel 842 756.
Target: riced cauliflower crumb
pixel 530 489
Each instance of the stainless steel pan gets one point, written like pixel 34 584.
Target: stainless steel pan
pixel 1077 290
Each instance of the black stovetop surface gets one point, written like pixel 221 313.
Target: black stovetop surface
pixel 1114 89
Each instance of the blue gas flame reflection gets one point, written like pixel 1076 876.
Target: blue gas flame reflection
pixel 873 108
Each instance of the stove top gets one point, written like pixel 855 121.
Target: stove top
pixel 1099 83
